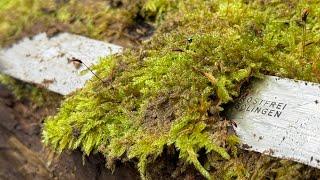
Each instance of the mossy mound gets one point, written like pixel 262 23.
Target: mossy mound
pixel 161 95
pixel 123 22
pixel 166 97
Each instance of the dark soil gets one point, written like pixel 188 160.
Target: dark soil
pixel 23 156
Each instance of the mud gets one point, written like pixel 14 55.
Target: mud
pixel 23 156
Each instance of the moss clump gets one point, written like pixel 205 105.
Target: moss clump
pixel 163 94
pixel 125 22
pixel 98 19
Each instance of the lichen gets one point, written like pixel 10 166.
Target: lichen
pixel 169 93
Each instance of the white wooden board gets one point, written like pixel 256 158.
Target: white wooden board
pixel 44 60
pixel 280 117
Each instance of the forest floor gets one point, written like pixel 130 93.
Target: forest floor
pixel 23 156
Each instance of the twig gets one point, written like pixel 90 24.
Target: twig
pixel 75 60
pixel 209 76
pixel 304 16
pixel 228 4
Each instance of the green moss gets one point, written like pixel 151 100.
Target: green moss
pixel 104 20
pixel 160 95
pixel 97 19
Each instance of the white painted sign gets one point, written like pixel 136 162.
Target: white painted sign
pixel 46 61
pixel 280 117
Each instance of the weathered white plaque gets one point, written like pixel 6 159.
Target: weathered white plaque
pixel 280 117
pixel 44 60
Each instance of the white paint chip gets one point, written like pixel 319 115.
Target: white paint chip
pixel 280 117
pixel 44 60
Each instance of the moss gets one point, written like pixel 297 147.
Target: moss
pixel 126 22
pixel 96 19
pixel 159 96
pixel 163 93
